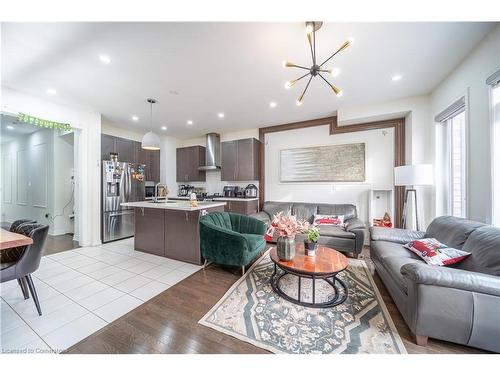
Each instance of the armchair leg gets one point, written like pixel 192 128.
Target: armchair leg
pixel 242 270
pixel 24 287
pixel 206 264
pixel 421 340
pixel 33 294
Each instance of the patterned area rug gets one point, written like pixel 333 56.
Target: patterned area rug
pixel 252 312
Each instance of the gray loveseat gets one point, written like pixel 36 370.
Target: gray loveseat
pixel 459 303
pixel 348 239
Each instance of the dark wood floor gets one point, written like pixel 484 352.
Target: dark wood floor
pixel 56 244
pixel 168 323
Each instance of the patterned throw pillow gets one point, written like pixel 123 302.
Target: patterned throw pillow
pixel 337 220
pixel 436 253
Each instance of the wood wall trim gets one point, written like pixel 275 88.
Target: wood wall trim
pixel 399 148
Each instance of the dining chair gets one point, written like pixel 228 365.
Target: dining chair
pixel 28 261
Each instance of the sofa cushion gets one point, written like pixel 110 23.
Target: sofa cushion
pixel 337 220
pixel 384 249
pixel 334 231
pixel 436 253
pixel 305 211
pixel 484 244
pixel 393 266
pixel 348 210
pixel 273 208
pixel 452 231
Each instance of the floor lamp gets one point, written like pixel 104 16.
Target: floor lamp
pixel 410 176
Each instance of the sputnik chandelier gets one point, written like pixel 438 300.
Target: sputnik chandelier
pixel 316 69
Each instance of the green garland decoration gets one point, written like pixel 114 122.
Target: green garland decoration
pixel 43 123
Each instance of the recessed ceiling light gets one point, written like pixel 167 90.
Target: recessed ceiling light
pixel 10 127
pixel 190 122
pixel 50 91
pixel 135 118
pixel 163 127
pixel 273 104
pixel 335 72
pixel 397 77
pixel 221 115
pixel 104 59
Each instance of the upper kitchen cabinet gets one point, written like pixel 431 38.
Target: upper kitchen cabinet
pixel 151 159
pixel 126 150
pixel 107 146
pixel 131 152
pixel 188 160
pixel 240 160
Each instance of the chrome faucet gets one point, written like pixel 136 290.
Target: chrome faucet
pixel 156 198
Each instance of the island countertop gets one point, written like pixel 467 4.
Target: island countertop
pixel 174 205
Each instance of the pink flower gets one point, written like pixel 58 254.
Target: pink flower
pixel 288 225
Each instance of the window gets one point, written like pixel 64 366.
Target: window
pixel 453 162
pixel 456 131
pixel 495 122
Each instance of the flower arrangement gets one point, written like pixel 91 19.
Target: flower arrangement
pixel 286 226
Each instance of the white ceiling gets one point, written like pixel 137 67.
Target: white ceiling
pixel 196 70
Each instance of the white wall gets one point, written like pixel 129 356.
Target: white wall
pixel 468 79
pixel 379 167
pixel 87 124
pixel 63 184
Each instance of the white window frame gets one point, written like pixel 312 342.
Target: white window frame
pixel 463 172
pixel 495 157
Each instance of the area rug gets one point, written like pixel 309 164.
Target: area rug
pixel 252 312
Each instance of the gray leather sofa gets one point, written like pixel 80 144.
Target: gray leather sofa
pixel 459 303
pixel 349 239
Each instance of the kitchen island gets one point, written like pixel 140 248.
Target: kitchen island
pixel 170 228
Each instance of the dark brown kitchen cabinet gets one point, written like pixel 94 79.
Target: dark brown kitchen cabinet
pixel 151 159
pixel 242 206
pixel 150 230
pixel 107 146
pixel 240 160
pixel 188 160
pixel 126 150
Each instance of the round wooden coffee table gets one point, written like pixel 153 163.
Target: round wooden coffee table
pixel 325 265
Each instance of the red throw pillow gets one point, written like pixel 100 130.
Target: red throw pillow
pixel 337 220
pixel 436 253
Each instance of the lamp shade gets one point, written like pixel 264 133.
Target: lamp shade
pixel 419 174
pixel 150 141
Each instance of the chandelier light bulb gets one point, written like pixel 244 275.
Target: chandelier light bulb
pixel 299 102
pixel 288 84
pixel 339 94
pixel 309 27
pixel 334 72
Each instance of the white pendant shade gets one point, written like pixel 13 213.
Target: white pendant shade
pixel 150 141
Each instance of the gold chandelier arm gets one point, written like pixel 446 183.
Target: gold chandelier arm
pixel 342 47
pixel 335 89
pixel 298 79
pixel 305 89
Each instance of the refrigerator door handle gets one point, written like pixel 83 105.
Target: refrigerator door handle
pixel 121 213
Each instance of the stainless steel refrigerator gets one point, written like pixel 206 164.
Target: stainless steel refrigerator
pixel 121 183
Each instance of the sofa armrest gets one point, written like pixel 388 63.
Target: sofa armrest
pixel 396 235
pixel 421 273
pixel 354 223
pixel 262 216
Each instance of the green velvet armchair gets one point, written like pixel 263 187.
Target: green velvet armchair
pixel 231 239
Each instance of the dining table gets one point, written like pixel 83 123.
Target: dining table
pixel 10 239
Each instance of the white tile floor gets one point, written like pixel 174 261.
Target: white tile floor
pixel 81 291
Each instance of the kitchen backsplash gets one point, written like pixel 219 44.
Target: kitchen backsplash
pixel 215 185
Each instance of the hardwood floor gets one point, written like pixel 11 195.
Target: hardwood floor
pixel 56 244
pixel 168 323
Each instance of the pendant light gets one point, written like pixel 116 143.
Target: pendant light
pixel 151 141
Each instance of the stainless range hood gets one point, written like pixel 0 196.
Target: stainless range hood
pixel 212 153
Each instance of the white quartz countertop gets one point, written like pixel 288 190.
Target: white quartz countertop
pixel 174 205
pixel 235 199
pixel 221 199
